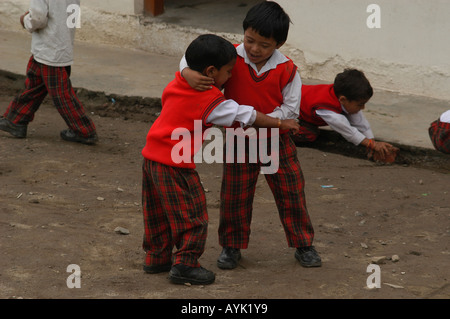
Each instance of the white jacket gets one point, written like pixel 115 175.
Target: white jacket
pixel 52 29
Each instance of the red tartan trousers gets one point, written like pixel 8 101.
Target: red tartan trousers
pixel 54 81
pixel 287 185
pixel 440 136
pixel 175 215
pixel 307 133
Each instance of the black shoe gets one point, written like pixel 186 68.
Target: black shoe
pixel 229 258
pixel 15 130
pixel 182 274
pixel 308 257
pixel 69 135
pixel 156 269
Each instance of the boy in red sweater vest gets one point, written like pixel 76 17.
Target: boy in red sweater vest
pixel 268 80
pixel 173 199
pixel 339 105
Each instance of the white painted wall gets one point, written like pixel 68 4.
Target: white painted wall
pixel 100 24
pixel 117 6
pixel 409 53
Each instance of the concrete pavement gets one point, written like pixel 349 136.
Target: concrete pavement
pixel 99 67
pixel 394 117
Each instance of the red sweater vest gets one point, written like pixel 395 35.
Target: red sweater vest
pixel 263 92
pixel 316 97
pixel 181 106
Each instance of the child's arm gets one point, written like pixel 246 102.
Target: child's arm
pixel 380 151
pixel 290 108
pixel 37 17
pixel 228 112
pixel 263 120
pixel 355 128
pixel 22 18
pixel 359 121
pixel 195 79
pixel 340 124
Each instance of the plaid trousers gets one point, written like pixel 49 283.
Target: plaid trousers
pixel 54 81
pixel 307 133
pixel 440 136
pixel 287 185
pixel 175 215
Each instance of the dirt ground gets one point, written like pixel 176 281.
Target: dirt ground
pixel 61 202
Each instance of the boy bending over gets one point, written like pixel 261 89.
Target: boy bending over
pixel 339 105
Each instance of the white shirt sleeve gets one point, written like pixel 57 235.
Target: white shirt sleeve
pixel 445 117
pixel 228 112
pixel 359 121
pixel 183 64
pixel 37 17
pixel 290 109
pixel 341 124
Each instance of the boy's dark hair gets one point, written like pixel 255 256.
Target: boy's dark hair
pixel 269 20
pixel 352 84
pixel 207 50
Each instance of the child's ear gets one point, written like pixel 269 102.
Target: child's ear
pixel 210 71
pixel 342 99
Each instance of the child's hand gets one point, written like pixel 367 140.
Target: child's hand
pixel 382 152
pixel 290 124
pixel 382 147
pixel 22 18
pixel 197 80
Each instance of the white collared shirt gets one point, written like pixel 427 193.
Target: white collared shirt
pixel 229 111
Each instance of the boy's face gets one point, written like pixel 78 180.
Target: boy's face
pixel 221 76
pixel 352 107
pixel 258 48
